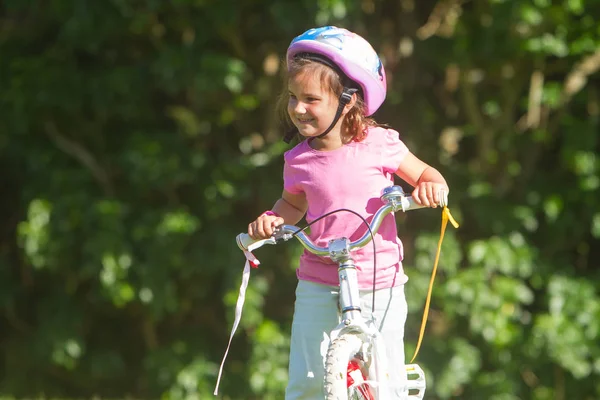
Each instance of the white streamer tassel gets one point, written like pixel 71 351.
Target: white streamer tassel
pixel 251 261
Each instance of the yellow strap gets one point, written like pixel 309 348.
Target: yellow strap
pixel 446 216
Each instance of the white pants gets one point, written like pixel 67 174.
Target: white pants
pixel 316 315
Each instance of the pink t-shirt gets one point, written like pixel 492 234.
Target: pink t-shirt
pixel 351 177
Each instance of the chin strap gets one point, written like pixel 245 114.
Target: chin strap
pixel 345 98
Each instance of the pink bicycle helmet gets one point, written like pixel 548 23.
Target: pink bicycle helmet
pixel 352 54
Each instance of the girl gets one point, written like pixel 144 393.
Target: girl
pixel 336 81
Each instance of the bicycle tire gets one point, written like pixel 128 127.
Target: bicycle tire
pixel 342 352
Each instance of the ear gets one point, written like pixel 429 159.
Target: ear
pixel 350 104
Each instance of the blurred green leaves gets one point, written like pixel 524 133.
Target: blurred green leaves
pixel 33 233
pixel 569 331
pixel 269 360
pixel 460 369
pixel 67 353
pixel 114 278
pixel 177 222
pixel 191 382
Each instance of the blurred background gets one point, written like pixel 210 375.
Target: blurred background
pixel 138 138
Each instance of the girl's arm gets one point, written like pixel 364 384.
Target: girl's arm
pixel 427 181
pixel 289 209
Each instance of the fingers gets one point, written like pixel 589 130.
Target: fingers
pixel 430 194
pixel 422 195
pixel 278 222
pixel 436 196
pixel 430 199
pixel 264 226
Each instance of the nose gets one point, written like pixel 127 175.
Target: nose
pixel 297 106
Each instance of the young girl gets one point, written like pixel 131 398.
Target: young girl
pixel 335 81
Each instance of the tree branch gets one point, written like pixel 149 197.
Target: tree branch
pixel 573 84
pixel 81 154
pixel 442 20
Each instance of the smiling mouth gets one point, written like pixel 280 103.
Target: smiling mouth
pixel 304 121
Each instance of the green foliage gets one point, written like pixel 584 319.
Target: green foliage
pixel 138 138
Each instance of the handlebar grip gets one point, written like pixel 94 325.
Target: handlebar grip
pixel 245 242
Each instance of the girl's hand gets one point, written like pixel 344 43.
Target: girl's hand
pixel 263 226
pixel 431 194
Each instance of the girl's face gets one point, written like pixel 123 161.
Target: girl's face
pixel 311 107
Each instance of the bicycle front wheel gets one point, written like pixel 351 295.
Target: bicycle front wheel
pixel 346 372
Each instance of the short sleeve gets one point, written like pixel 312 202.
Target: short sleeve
pixel 393 151
pixel 291 176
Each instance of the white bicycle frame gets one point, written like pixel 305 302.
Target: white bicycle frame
pixel 339 250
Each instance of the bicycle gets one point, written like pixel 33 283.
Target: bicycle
pixel 355 361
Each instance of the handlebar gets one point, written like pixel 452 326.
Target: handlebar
pixel 393 198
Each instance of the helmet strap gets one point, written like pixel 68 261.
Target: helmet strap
pixel 345 98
